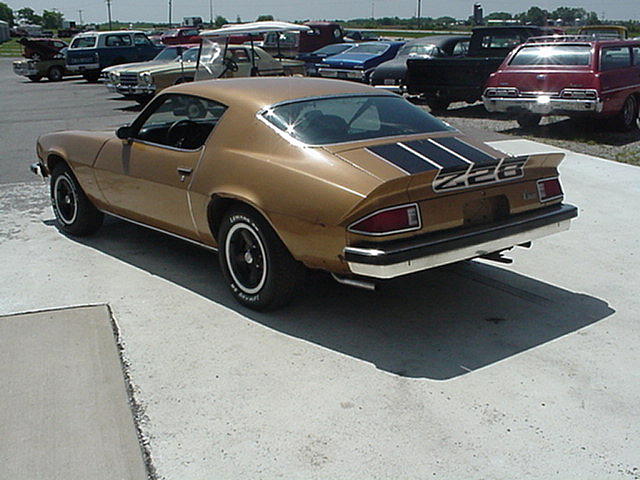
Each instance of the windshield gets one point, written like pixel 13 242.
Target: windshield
pixel 553 55
pixel 83 42
pixel 370 48
pixel 190 55
pixel 351 118
pixel 426 50
pixel 167 54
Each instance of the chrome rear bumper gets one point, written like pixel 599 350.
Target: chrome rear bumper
pixel 401 257
pixel 540 105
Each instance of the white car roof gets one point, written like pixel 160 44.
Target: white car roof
pixel 254 27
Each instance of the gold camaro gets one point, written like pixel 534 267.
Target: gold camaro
pixel 278 174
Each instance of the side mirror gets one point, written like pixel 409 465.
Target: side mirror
pixel 124 132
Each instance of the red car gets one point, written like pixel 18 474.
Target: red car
pixel 568 75
pixel 179 36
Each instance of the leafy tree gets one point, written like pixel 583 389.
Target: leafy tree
pixel 499 16
pixel 445 20
pixel 535 16
pixel 265 18
pixel 220 21
pixel 29 15
pixel 52 19
pixel 6 13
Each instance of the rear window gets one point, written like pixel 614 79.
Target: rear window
pixel 369 48
pixel 83 42
pixel 500 40
pixel 553 55
pixel 350 118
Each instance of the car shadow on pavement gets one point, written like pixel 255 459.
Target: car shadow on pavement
pixel 438 324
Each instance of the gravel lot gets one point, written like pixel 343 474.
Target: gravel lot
pixel 592 138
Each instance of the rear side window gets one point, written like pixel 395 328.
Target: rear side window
pixel 117 41
pixel 613 58
pixel 553 55
pixel 140 39
pixel 83 42
pixel 501 40
pixel 461 48
pixel 636 55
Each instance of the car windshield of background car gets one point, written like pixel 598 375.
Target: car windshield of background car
pixel 370 49
pixel 83 42
pixel 168 54
pixel 190 55
pixel 333 49
pixel 351 118
pixel 553 55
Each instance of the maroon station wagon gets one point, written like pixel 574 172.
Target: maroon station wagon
pixel 568 75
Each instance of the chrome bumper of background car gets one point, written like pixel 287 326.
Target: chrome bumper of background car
pixel 541 105
pixel 340 73
pixel 396 258
pixel 135 89
pixel 25 70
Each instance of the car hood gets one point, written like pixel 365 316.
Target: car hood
pixel 161 67
pixel 134 66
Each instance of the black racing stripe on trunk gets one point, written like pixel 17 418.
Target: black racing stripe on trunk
pixel 469 152
pixel 448 161
pixel 402 158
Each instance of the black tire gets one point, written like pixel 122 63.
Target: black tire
pixel 34 78
pixel 438 104
pixel 55 74
pixel 75 214
pixel 528 120
pixel 91 77
pixel 265 276
pixel 627 119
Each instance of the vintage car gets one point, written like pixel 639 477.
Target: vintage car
pixel 143 81
pixel 569 75
pixel 358 63
pixel 180 36
pixel 44 57
pixel 283 173
pixel 392 74
pixel 90 52
pixel 317 56
pixel 602 32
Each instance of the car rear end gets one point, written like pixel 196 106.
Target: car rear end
pixel 26 68
pixel 459 199
pixel 547 76
pixel 82 56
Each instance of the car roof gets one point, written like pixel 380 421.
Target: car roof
pixel 437 39
pixel 576 40
pixel 110 32
pixel 255 93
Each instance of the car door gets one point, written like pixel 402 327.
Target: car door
pixel 146 178
pixel 616 76
pixel 144 48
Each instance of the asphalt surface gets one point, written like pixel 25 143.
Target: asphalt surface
pixel 475 370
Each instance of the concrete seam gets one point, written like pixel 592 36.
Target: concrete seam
pixel 53 309
pixel 138 411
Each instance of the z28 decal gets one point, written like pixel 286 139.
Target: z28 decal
pixel 459 164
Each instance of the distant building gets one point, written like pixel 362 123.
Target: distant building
pixel 4 32
pixel 478 17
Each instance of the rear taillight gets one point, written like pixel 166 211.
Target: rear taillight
pixel 579 93
pixel 549 189
pixel 388 221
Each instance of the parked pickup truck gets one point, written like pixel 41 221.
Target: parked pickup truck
pixel 90 52
pixel 577 76
pixel 44 57
pixel 444 80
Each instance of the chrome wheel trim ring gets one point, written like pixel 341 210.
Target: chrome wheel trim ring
pixel 227 250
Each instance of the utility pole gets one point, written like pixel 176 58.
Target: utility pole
pixel 80 14
pixel 373 2
pixel 169 13
pixel 211 13
pixel 419 1
pixel 109 12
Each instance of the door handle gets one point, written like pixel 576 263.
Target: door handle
pixel 184 173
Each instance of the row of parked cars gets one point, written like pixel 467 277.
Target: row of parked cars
pixel 526 71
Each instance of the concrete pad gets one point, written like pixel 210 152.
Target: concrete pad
pixel 65 412
pixel 476 370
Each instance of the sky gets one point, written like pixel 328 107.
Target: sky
pixel 95 11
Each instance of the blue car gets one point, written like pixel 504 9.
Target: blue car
pixel 317 56
pixel 358 62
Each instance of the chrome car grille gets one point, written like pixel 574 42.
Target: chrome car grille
pixel 128 79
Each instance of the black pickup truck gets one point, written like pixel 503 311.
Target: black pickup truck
pixel 444 80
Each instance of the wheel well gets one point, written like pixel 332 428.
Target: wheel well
pixel 218 207
pixel 53 161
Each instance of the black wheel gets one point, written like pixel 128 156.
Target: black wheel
pixel 75 214
pixel 627 119
pixel 529 120
pixel 258 268
pixel 55 74
pixel 438 104
pixel 91 77
pixel 34 78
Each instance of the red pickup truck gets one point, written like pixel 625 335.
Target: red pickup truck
pixel 180 36
pixel 575 76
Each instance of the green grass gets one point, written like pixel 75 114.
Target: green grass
pixel 630 157
pixel 10 49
